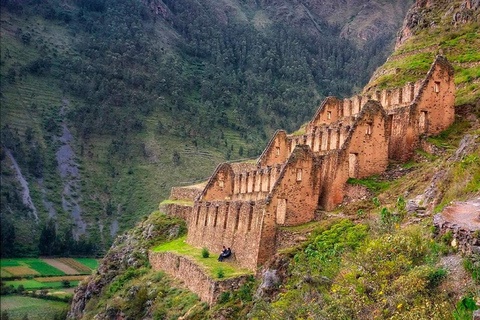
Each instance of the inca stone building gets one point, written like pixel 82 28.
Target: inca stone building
pixel 242 204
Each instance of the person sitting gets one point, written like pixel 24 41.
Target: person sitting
pixel 224 250
pixel 225 254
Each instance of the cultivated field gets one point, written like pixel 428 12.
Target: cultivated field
pixel 20 267
pixel 36 309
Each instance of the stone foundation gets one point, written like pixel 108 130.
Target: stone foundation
pixel 193 275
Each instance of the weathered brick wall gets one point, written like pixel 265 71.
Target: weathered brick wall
pixel 182 211
pixel 431 112
pixel 400 144
pixel 369 141
pixel 256 184
pixel 294 196
pixel 234 224
pixel 276 151
pixel 220 185
pixel 185 193
pixel 364 153
pixel 436 99
pixel 193 275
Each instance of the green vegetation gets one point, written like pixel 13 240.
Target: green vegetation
pixel 182 202
pixel 36 309
pixel 30 284
pixel 210 264
pixel 180 94
pixel 205 253
pixel 35 264
pixel 373 183
pixel 458 43
pixel 91 263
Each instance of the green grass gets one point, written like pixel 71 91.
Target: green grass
pixel 373 183
pixel 211 265
pixel 36 264
pixel 31 284
pixel 91 263
pixel 36 309
pixel 302 227
pixel 183 202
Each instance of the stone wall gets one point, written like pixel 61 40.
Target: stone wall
pixel 182 211
pixel 185 193
pixel 193 275
pixel 295 194
pixel 234 224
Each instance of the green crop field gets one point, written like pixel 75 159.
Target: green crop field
pixel 35 264
pixel 91 263
pixel 30 284
pixel 36 309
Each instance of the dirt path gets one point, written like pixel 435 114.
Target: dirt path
pixel 60 266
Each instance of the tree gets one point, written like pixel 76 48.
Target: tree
pixel 176 158
pixel 48 239
pixel 5 315
pixel 7 238
pixel 66 284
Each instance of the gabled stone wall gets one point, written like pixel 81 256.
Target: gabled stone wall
pixel 242 204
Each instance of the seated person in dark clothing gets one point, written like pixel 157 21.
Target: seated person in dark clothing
pixel 224 250
pixel 225 254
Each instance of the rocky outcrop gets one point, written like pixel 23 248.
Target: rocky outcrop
pixel 462 221
pixel 420 15
pixel 128 250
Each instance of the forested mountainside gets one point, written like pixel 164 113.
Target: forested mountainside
pixel 107 104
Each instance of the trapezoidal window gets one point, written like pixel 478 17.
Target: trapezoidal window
pixel 299 174
pixel 221 184
pixel 277 151
pixel 368 131
pixel 281 210
pixel 436 87
pixel 353 165
pixel 216 216
pixel 329 115
pixel 423 121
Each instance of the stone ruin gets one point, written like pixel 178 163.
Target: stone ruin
pixel 243 204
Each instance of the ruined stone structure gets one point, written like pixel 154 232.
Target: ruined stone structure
pixel 242 204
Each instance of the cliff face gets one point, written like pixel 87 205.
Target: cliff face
pixel 130 251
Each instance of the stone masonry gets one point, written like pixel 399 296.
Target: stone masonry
pixel 242 204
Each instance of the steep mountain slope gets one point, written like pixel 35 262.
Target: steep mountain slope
pixel 450 28
pixel 389 264
pixel 107 104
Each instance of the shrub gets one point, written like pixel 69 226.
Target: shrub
pixel 447 237
pixel 435 277
pixel 220 273
pixel 205 253
pixel 66 283
pixel 224 297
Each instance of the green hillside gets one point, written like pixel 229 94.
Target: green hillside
pixel 437 33
pixel 108 104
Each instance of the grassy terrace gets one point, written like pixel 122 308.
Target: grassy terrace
pixel 183 202
pixel 210 264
